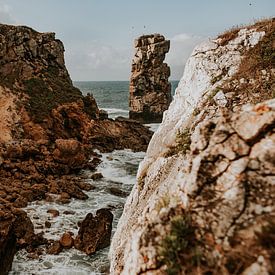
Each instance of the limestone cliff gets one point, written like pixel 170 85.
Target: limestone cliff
pixel 150 90
pixel 204 198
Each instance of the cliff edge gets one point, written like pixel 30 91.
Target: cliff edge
pixel 204 198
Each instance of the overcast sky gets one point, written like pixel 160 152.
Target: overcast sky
pixel 98 34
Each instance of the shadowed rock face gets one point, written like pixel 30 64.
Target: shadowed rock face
pixel 150 91
pixel 95 232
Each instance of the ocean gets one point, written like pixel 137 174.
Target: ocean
pixel 111 96
pixel 119 170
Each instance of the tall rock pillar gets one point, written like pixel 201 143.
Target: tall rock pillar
pixel 150 90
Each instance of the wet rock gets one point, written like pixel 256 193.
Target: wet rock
pixel 94 232
pixel 117 192
pixel 96 176
pixel 48 224
pixel 68 212
pixel 66 240
pixel 55 248
pixel 150 90
pixel 53 212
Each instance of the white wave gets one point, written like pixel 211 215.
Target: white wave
pixel 115 110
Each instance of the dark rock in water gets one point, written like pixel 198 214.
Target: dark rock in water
pixel 103 114
pixel 55 248
pixel 7 245
pixel 108 135
pixel 54 212
pixel 48 224
pixel 96 176
pixel 150 90
pixel 16 231
pixel 117 192
pixel 94 232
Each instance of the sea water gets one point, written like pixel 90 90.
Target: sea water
pixel 119 171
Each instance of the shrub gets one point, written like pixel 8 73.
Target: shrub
pixel 179 246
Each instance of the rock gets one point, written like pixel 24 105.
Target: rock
pixel 117 192
pixel 55 248
pixel 94 232
pixel 150 91
pixel 48 224
pixel 96 176
pixel 207 181
pixel 67 212
pixel 109 135
pixel 66 240
pixel 53 212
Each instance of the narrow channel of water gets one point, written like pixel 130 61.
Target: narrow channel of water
pixel 119 171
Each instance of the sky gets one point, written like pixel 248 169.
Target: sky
pixel 98 35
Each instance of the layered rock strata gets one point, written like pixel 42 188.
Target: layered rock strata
pixel 150 90
pixel 204 198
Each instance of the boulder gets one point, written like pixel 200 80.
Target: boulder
pixel 94 232
pixel 66 240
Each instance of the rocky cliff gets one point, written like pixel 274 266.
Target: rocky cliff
pixel 204 198
pixel 48 131
pixel 150 90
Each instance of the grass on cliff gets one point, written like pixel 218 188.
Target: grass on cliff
pixel 45 96
pixel 183 142
pixel 179 247
pixel 255 69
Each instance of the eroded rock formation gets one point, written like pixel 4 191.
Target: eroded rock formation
pixel 204 198
pixel 95 232
pixel 150 90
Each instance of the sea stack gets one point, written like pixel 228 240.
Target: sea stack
pixel 150 90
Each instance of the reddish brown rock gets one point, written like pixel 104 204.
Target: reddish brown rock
pixel 94 232
pixel 66 240
pixel 150 90
pixel 55 248
pixel 54 212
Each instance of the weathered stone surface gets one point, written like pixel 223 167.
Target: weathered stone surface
pixel 150 91
pixel 94 232
pixel 206 185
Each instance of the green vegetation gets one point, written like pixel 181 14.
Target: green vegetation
pixel 183 142
pixel 196 111
pixel 179 246
pixel 45 96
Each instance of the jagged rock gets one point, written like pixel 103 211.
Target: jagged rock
pixel 150 91
pixel 94 232
pixel 206 185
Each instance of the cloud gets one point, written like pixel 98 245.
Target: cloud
pixel 97 61
pixel 5 14
pixel 181 47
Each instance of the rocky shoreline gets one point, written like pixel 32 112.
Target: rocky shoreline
pixel 49 133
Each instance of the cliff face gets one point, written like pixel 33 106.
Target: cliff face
pixel 150 90
pixel 34 82
pixel 204 197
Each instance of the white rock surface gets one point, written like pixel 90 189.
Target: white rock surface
pixel 158 176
